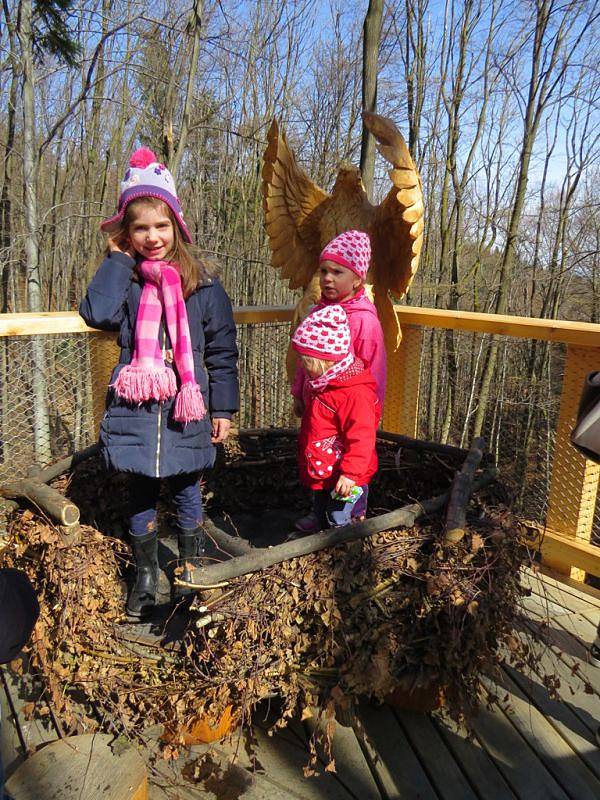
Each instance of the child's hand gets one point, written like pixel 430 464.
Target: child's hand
pixel 298 407
pixel 120 246
pixel 344 485
pixel 220 429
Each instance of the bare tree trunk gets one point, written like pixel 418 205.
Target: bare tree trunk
pixel 544 80
pixel 196 25
pixel 371 37
pixel 41 422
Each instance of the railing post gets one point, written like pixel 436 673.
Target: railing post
pixel 574 482
pixel 104 354
pixel 401 409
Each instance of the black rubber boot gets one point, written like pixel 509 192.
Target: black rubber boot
pixel 143 594
pixel 191 549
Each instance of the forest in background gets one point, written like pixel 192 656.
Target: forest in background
pixel 497 99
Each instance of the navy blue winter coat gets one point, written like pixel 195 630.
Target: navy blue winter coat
pixel 145 439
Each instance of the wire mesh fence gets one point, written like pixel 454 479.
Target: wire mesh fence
pixel 440 380
pixel 51 403
pixel 52 395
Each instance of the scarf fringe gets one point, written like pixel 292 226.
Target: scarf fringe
pixel 189 404
pixel 139 385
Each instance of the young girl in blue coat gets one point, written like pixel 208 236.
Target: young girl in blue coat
pixel 175 388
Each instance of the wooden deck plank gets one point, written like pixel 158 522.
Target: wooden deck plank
pixel 442 770
pixel 544 607
pixel 34 731
pixel 593 616
pixel 563 631
pixel 560 595
pixel 577 588
pixel 284 762
pixel 352 766
pixel 397 769
pixel 574 685
pixel 559 758
pixel 12 745
pixel 562 718
pixel 481 770
pixel 276 762
pixel 519 764
pixel 84 767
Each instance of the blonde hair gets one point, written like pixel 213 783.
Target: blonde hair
pixel 316 366
pixel 192 268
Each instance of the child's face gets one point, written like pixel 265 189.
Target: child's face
pixel 151 233
pixel 337 282
pixel 315 367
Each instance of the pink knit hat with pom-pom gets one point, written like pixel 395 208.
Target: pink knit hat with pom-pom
pixel 324 334
pixel 145 177
pixel 351 249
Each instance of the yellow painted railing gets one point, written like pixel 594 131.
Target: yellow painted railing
pixel 565 543
pixel 565 540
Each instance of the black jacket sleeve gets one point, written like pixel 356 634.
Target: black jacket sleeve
pixel 103 305
pixel 221 353
pixel 19 610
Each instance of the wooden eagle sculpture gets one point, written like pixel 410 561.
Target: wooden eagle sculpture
pixel 301 219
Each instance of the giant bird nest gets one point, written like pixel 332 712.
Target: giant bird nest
pixel 398 609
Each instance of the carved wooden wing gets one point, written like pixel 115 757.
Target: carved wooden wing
pixel 293 207
pixel 397 229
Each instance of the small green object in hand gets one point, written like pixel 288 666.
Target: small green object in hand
pixel 355 493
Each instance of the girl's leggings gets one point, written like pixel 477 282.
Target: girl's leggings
pixel 187 497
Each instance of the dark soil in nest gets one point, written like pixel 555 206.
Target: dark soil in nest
pixel 254 490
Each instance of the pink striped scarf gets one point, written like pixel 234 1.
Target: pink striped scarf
pixel 147 377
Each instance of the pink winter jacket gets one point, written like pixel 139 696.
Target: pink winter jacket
pixel 367 342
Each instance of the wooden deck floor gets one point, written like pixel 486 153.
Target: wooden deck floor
pixel 531 747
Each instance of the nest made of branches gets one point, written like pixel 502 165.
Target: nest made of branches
pixel 357 620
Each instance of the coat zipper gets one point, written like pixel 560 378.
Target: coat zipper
pixel 160 413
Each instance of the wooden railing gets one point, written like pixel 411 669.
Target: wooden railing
pixel 565 543
pixel 565 540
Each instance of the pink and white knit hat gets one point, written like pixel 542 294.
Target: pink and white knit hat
pixel 324 334
pixel 351 249
pixel 145 177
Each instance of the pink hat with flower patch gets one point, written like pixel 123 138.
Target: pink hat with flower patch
pixel 351 249
pixel 324 334
pixel 145 177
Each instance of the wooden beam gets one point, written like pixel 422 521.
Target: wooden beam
pixel 104 355
pixel 247 315
pixel 574 481
pixel 262 558
pixel 585 334
pixel 70 322
pixel 401 408
pixel 31 324
pixel 556 548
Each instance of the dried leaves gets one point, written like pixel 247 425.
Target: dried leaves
pixel 396 610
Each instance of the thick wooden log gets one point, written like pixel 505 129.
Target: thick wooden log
pixel 224 543
pixel 419 444
pixel 272 432
pixel 462 486
pixel 264 557
pixel 64 465
pixel 82 767
pixel 45 497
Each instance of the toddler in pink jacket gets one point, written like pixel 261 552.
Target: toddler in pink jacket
pixel 343 267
